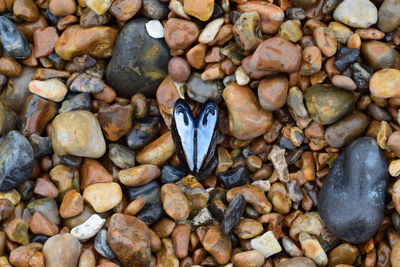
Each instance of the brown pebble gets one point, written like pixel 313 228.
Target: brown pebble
pixel 124 10
pixel 272 92
pixel 178 69
pixel 251 258
pixel 26 10
pixel 180 240
pixel 180 33
pixel 174 201
pixel 45 188
pixel 44 40
pixel 139 175
pixel 10 67
pixel 135 206
pixel 163 227
pixel 71 205
pixel 62 8
pixel 40 225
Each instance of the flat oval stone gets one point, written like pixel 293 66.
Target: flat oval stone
pixel 352 200
pixel 13 41
pixel 139 62
pixel 327 104
pixel 16 161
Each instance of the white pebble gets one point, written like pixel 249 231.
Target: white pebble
pixel 266 244
pixel 89 228
pixel 210 31
pixel 241 76
pixel 155 29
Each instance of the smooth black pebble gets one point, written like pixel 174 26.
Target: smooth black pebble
pixel 352 200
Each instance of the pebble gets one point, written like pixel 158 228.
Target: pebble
pixel 327 104
pixel 16 161
pixel 115 120
pixel 379 55
pixel 97 42
pixel 10 67
pixel 218 245
pixel 13 41
pixel 52 89
pixel 204 217
pixel 389 18
pixel 234 177
pixel 129 239
pixel 356 13
pixel 346 130
pixel 180 240
pixel 200 90
pixel 233 214
pixel 44 40
pixel 179 69
pixel 62 7
pixel 277 157
pixel 345 56
pixel 253 195
pixel 158 151
pixel 291 31
pixel 13 196
pixel 77 133
pixel 103 196
pixel 272 92
pixel 22 255
pixel 271 15
pixel 344 82
pixel 298 261
pixel 311 61
pixel 124 10
pixel 143 132
pixel 171 174
pixel 121 156
pixel 339 214
pixel 38 224
pixel 62 250
pixel 251 258
pixel 342 32
pixel 266 244
pixel 180 33
pixel 154 9
pixel 202 11
pixel 155 29
pixel 17 231
pixel 100 7
pixel 361 74
pixel 36 114
pixel 275 54
pixel 174 201
pixel 101 246
pixel 385 83
pixel 312 249
pixel 89 228
pixel 91 172
pixel 132 49
pixel 71 205
pixel 343 254
pixel 247 31
pixel 210 31
pixel 47 207
pixel 248 228
pixel 140 175
pixel 326 41
pixel 246 118
pixel 75 102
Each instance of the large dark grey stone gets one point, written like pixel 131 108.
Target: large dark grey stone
pixel 13 41
pixel 139 63
pixel 352 200
pixel 16 161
